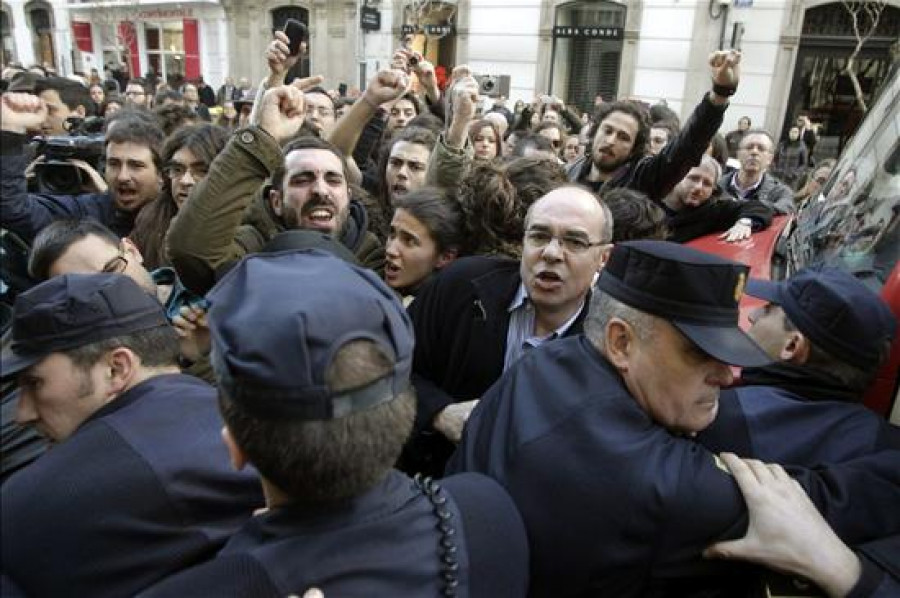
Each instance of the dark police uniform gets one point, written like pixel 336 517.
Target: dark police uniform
pixel 143 489
pixel 614 503
pixel 384 543
pixel 277 322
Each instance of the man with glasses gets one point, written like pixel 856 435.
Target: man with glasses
pixel 320 111
pixel 136 94
pixel 753 181
pixel 482 314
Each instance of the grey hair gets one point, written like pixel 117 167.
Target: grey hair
pixel 712 163
pixel 604 308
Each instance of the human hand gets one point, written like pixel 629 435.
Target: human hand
pixel 386 86
pixel 460 72
pixel 451 420
pixel 279 59
pixel 282 111
pixel 193 332
pixel 725 67
pixel 786 531
pixel 95 182
pixel 738 232
pixel 21 112
pixel 425 73
pixel 464 95
pixel 400 59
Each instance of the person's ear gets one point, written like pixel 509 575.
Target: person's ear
pixel 132 250
pixel 445 258
pixel 121 367
pixel 604 252
pixel 276 200
pixel 796 348
pixel 620 343
pixel 235 454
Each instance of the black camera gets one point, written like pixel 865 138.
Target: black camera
pixel 58 176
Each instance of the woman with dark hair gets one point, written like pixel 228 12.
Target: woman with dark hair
pixel 493 214
pixel 186 157
pixel 485 138
pixel 112 105
pixel 426 233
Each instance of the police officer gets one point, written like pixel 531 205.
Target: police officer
pixel 137 484
pixel 591 435
pixel 313 357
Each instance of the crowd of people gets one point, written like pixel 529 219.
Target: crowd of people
pixel 284 340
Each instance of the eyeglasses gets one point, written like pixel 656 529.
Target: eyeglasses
pixel 131 94
pixel 116 265
pixel 571 243
pixel 174 170
pixel 322 111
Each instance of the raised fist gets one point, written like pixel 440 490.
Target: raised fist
pixel 21 112
pixel 282 111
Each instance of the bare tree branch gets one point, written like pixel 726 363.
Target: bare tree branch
pixel 871 13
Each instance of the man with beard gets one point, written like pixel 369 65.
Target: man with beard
pixel 697 207
pixel 620 139
pixel 309 190
pixel 133 173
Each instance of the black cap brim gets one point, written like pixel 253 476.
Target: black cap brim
pixel 11 363
pixel 767 290
pixel 729 345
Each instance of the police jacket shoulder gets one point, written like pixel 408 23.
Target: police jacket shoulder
pixel 391 541
pixel 141 489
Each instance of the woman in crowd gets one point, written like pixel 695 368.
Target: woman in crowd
pixel 485 140
pixel 229 117
pixel 426 234
pixel 791 158
pixel 112 105
pixel 187 154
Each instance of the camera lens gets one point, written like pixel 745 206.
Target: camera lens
pixel 59 178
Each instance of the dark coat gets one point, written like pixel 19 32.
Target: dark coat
pixel 142 489
pixel 718 214
pixel 770 191
pixel 657 175
pixel 615 504
pixel 383 543
pixel 27 213
pixel 461 322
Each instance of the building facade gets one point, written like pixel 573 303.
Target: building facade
pixel 793 50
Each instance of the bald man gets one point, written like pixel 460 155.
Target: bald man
pixel 481 314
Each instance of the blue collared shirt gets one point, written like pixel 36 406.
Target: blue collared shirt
pixel 520 337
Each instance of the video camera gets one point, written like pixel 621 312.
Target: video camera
pixel 56 174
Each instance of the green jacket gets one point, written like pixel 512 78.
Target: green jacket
pixel 228 217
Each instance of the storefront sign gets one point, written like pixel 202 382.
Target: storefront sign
pixel 438 29
pixel 588 32
pixel 369 19
pixel 164 13
pixel 407 30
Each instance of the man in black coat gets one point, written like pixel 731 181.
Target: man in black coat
pixel 137 484
pixel 618 156
pixel 480 315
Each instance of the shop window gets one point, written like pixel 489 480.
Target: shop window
pixel 7 47
pixel 165 50
pixel 42 36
